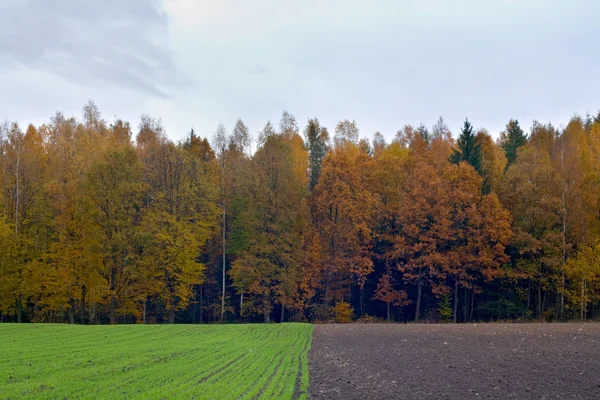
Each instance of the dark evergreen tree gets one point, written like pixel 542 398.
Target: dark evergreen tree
pixel 424 133
pixel 512 138
pixel 316 142
pixel 468 149
pixel 588 122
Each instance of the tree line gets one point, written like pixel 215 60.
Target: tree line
pixel 101 225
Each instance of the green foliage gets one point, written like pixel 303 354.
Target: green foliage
pixel 583 273
pixel 424 133
pixel 316 139
pixel 445 308
pixel 9 267
pixel 511 140
pixel 115 192
pixel 269 252
pixel 191 361
pixel 468 149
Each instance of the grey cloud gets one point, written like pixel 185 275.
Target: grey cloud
pixel 114 42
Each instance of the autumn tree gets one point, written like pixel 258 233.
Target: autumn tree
pixel 493 161
pixel 345 132
pixel 532 194
pixel 378 144
pixel 240 137
pixel 576 164
pixel 583 272
pixel 479 233
pixel 180 217
pixel 115 192
pixel 423 229
pixel 269 254
pixel 344 209
pixel 69 269
pixel 24 168
pixel 221 146
pixel 233 153
pixel 96 227
pixel 440 131
pixel 10 267
pixel 451 235
pixel 409 137
pixel 387 184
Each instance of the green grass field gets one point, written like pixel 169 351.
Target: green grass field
pixel 45 361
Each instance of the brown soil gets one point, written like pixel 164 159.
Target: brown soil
pixel 474 361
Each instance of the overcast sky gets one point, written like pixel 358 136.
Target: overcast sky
pixel 195 63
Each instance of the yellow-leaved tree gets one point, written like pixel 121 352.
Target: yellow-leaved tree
pixel 583 273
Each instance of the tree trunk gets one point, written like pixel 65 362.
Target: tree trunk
pixel 82 307
pixel 282 313
pixel 455 302
pixel 362 301
pixel 208 302
pixel 113 304
pixel 564 228
pixel 267 311
pixel 223 285
pixel 241 304
pixel 71 311
pixel 327 284
pixel 195 312
pixel 93 313
pixel 582 299
pixel 335 289
pixel 201 303
pixel 19 311
pixel 144 311
pixel 472 304
pixel 113 297
pixel 223 239
pixel 539 301
pixel 466 305
pixel 388 311
pixel 172 315
pixel 528 294
pixel 544 302
pixel 419 292
pixel 557 306
pixel 17 191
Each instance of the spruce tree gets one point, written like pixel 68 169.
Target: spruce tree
pixel 424 133
pixel 512 138
pixel 468 149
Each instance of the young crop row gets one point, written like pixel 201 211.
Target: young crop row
pixel 187 361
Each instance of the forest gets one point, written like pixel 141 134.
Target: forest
pixel 102 222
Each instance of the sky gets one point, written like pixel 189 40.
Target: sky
pixel 384 64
